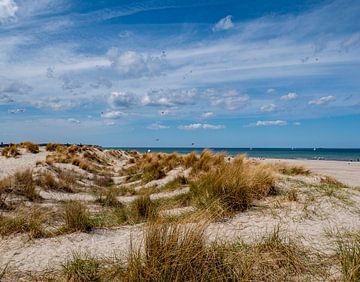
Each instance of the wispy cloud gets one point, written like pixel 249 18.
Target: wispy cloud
pixel 194 126
pixel 113 115
pixel 268 123
pixel 224 24
pixel 323 100
pixel 157 126
pixel 207 114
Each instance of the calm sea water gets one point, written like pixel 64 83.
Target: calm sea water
pixel 278 153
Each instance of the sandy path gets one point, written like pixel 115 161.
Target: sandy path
pixel 346 172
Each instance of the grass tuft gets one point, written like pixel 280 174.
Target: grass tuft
pixel 82 268
pixel 143 208
pixel 77 217
pixel 348 254
pixel 10 151
pixel 233 185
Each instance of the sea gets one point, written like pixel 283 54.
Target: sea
pixel 276 153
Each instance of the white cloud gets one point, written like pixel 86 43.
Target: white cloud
pixel 231 99
pixel 268 108
pixel 270 91
pixel 207 114
pixel 169 97
pixel 297 123
pixel 290 96
pixel 113 114
pixel 8 9
pixel 194 126
pixel 73 120
pixel 157 126
pixel 269 123
pixel 131 64
pixel 224 24
pixel 323 100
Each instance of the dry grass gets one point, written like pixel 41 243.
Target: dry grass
pixel 77 218
pixel 21 183
pixel 82 268
pixel 108 198
pixel 174 252
pixel 23 221
pixel 143 208
pixel 10 151
pixel 65 182
pixel 287 169
pixel 152 166
pixel 30 147
pixel 50 147
pixel 103 181
pixel 233 185
pixel 207 161
pixel 331 182
pixel 348 254
pixel 190 159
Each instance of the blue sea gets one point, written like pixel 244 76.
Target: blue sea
pixel 277 153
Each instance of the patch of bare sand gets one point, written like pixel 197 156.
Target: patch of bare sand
pixel 9 166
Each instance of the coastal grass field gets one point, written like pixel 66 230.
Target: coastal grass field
pixel 83 213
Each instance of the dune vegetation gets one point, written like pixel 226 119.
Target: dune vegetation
pixel 175 205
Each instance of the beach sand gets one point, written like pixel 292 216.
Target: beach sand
pixel 346 172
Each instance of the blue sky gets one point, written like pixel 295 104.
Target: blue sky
pixel 171 73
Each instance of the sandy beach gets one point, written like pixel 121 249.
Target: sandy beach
pixel 346 172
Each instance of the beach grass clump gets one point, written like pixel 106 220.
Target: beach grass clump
pixel 82 268
pixel 233 185
pixel 52 147
pixel 180 252
pixel 10 151
pixel 176 253
pixel 77 217
pixel 207 161
pixel 103 181
pixel 22 221
pixel 22 183
pixel 142 208
pixel 331 182
pixel 294 170
pixel 63 182
pixel 153 166
pixel 30 147
pixel 190 159
pixel 348 254
pixel 108 198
